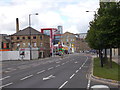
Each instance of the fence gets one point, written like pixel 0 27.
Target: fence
pixel 15 55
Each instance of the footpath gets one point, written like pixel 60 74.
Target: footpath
pixel 103 80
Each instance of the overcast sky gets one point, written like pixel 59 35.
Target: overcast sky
pixel 71 14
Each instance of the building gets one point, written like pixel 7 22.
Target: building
pixel 74 42
pixel 55 35
pixel 5 43
pixel 69 39
pixel 39 41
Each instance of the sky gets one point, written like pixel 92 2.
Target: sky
pixel 71 14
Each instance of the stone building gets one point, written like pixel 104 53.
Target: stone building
pixel 39 41
pixel 74 42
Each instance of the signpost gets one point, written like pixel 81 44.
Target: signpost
pixel 22 53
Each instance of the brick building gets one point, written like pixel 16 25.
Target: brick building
pixel 5 43
pixel 39 41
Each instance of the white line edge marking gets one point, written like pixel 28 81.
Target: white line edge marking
pixel 88 86
pixel 72 76
pixel 4 77
pixel 41 72
pixel 26 77
pixel 63 84
pixel 6 85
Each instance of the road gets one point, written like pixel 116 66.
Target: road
pixel 72 71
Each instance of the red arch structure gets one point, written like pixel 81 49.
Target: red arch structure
pixel 52 33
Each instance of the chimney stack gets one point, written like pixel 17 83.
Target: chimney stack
pixel 17 24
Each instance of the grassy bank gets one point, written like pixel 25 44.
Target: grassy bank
pixel 106 72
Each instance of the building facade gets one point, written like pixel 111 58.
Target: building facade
pixel 5 42
pixel 76 42
pixel 30 37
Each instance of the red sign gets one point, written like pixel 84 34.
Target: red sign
pixel 4 46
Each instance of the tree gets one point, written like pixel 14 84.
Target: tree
pixel 104 31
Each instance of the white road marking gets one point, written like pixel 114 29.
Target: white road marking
pixel 41 72
pixel 26 77
pixel 50 68
pixel 63 84
pixel 57 65
pixel 88 86
pixel 49 77
pixel 77 71
pixel 76 62
pixel 4 77
pixel 63 63
pixel 6 85
pixel 58 62
pixel 80 68
pixel 72 76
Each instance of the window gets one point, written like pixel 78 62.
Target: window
pixel 40 37
pixel 18 38
pixel 28 37
pixel 12 38
pixel 23 37
pixel 23 44
pixel 41 44
pixel 34 37
pixel 35 44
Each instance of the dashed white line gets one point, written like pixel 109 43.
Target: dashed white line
pixel 80 68
pixel 58 62
pixel 50 68
pixel 6 85
pixel 5 78
pixel 63 84
pixel 77 71
pixel 72 76
pixel 41 72
pixel 26 77
pixel 57 65
pixel 88 86
pixel 63 63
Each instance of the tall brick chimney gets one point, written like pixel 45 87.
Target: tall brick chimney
pixel 17 24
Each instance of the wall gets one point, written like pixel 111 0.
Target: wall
pixel 14 55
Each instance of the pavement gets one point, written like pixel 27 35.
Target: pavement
pixel 116 59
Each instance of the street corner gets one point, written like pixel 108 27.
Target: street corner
pixel 106 81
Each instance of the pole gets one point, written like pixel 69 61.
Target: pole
pixel 30 36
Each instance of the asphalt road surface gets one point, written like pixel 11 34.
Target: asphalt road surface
pixel 72 71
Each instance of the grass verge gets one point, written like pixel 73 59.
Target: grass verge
pixel 105 72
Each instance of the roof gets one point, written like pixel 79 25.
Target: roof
pixel 26 31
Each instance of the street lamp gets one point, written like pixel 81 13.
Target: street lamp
pixel 94 12
pixel 30 33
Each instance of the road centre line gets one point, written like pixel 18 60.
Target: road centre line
pixel 57 65
pixel 63 84
pixel 72 76
pixel 77 71
pixel 41 72
pixel 5 78
pixel 6 85
pixel 26 77
pixel 50 68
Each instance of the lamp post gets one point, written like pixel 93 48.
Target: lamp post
pixel 94 12
pixel 30 34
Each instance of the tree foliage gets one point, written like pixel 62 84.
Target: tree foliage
pixel 104 30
